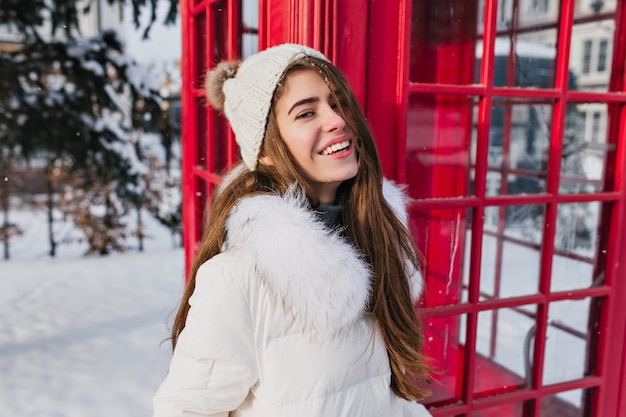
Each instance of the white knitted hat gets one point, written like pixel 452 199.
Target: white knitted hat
pixel 248 92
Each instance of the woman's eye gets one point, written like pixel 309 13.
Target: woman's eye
pixel 304 114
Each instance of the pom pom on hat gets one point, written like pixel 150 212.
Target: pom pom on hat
pixel 244 91
pixel 214 82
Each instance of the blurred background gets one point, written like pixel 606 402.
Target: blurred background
pixel 90 119
pixel 91 262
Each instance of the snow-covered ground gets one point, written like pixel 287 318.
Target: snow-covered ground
pixel 85 336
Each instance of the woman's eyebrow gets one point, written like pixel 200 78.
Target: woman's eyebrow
pixel 303 101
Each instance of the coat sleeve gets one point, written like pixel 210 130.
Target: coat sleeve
pixel 214 363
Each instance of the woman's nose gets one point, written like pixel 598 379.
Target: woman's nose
pixel 333 120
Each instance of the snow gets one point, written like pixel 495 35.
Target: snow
pixel 94 67
pixel 85 336
pixel 164 42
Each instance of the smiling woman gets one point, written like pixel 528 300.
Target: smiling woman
pixel 314 132
pixel 300 299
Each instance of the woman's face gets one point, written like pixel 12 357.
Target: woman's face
pixel 315 133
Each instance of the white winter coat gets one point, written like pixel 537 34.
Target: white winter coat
pixel 278 324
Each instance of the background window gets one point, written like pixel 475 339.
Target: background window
pixel 586 56
pixel 595 127
pixel 502 7
pixel 541 5
pixel 249 27
pixel 602 55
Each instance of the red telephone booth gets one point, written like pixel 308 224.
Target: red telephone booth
pixel 507 121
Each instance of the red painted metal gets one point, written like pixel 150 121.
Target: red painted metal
pixel 191 223
pixel 504 170
pixel 404 63
pixel 612 347
pixel 349 49
pixel 554 170
pixel 382 67
pixel 482 145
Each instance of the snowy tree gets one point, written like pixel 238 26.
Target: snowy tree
pixel 77 104
pixel 164 186
pixel 162 153
pixel 7 158
pixel 7 229
pixel 28 16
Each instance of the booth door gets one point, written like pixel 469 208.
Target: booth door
pixel 506 120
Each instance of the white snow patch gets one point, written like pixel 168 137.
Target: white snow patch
pixel 83 337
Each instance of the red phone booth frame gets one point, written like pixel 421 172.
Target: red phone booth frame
pixel 373 42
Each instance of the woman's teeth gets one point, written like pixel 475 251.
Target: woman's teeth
pixel 336 147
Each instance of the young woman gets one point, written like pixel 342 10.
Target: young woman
pixel 300 300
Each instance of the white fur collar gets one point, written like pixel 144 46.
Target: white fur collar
pixel 315 270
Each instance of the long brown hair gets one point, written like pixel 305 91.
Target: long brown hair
pixel 369 222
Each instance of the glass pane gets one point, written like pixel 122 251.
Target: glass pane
pixel 534 13
pixel 201 130
pixel 525 51
pixel 535 46
pixel 205 189
pixel 249 28
pixel 222 128
pixel 564 404
pixel 502 364
pixel 220 32
pixel 511 251
pixel 520 270
pixel 249 44
pixel 575 245
pixel 443 37
pixel 536 56
pixel 566 350
pixel 505 14
pixel 591 51
pixel 519 140
pixel 524 224
pixel 576 228
pixel 444 345
pixel 467 257
pixel 200 37
pixel 488 266
pixel 441 237
pixel 437 150
pixel 585 149
pixel 534 61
